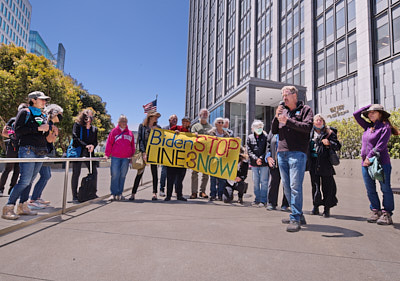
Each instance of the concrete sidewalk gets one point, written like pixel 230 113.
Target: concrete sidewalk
pixel 201 240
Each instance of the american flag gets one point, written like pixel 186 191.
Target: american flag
pixel 151 106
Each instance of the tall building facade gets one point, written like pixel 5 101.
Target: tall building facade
pixel 340 54
pixel 15 21
pixel 38 47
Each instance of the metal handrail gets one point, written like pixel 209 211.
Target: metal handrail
pixel 52 160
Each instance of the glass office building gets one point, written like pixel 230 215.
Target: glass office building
pixel 15 21
pixel 340 54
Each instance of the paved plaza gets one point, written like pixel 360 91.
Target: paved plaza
pixel 199 240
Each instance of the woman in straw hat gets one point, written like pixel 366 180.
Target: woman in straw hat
pixel 149 123
pixel 377 132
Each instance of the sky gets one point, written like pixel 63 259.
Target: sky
pixel 125 51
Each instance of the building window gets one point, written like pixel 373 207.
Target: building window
pixel 340 19
pixel 330 64
pixel 352 53
pixel 341 59
pixel 382 48
pixel 320 32
pixel 396 30
pixel 380 5
pixel 321 69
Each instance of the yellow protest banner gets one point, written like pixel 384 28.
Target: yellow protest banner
pixel 210 155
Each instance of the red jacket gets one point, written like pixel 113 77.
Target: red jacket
pixel 120 144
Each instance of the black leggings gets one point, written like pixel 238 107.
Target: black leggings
pixel 154 173
pixel 4 175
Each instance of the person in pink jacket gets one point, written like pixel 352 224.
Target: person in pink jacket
pixel 120 147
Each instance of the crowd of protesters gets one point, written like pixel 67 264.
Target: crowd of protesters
pixel 298 141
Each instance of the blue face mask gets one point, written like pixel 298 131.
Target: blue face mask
pixel 319 128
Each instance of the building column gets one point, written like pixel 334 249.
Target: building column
pixel 250 107
pixel 253 38
pixel 311 96
pixel 275 41
pixel 365 73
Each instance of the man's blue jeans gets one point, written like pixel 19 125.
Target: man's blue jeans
pixel 213 186
pixel 260 180
pixel 292 166
pixel 370 184
pixel 119 169
pixel 28 173
pixel 45 175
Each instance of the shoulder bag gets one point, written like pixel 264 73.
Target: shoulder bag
pixel 375 170
pixel 333 157
pixel 74 152
pixel 137 159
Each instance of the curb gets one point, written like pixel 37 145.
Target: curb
pixel 21 225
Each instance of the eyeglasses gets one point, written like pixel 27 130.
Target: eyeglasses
pixel 220 122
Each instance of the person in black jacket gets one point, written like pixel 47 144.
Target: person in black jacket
pixel 274 174
pixel 237 184
pixel 256 148
pixel 144 130
pixel 31 129
pixel 84 135
pixel 322 139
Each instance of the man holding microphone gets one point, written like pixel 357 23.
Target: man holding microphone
pixel 293 122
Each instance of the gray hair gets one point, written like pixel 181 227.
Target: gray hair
pixel 122 117
pixel 218 119
pixel 226 120
pixel 257 123
pixel 53 110
pixel 290 89
pixel 202 110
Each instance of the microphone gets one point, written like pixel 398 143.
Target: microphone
pixel 282 103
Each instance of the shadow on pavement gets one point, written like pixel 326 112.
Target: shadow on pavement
pixel 336 231
pixel 352 218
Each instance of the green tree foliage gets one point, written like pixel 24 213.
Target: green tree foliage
pixel 22 73
pixel 350 134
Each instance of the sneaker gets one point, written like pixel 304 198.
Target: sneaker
pixel 154 198
pixel 193 196
pixel 255 203
pixel 375 215
pixel 181 198
pixel 270 207
pixel 34 205
pixel 261 205
pixel 132 198
pixel 25 210
pixel 44 202
pixel 203 195
pixel 112 198
pixel 294 226
pixel 240 201
pixel 8 213
pixel 162 193
pixel 302 220
pixel 122 198
pixel 284 208
pixel 385 219
pixel 167 198
pixel 213 198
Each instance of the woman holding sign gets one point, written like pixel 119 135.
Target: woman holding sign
pixel 143 135
pixel 217 131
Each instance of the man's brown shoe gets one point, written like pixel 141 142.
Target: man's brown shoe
pixel 193 196
pixel 203 195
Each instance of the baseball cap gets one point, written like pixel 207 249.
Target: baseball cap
pixel 38 95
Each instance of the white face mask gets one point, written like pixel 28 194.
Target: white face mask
pixel 258 131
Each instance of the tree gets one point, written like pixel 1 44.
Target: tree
pixel 22 73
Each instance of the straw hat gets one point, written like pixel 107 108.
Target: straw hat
pixel 376 107
pixel 153 113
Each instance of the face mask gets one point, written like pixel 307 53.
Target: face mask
pixel 225 129
pixel 319 128
pixel 258 131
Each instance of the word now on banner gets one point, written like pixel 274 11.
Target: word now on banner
pixel 210 155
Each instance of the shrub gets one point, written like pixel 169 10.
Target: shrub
pixel 350 134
